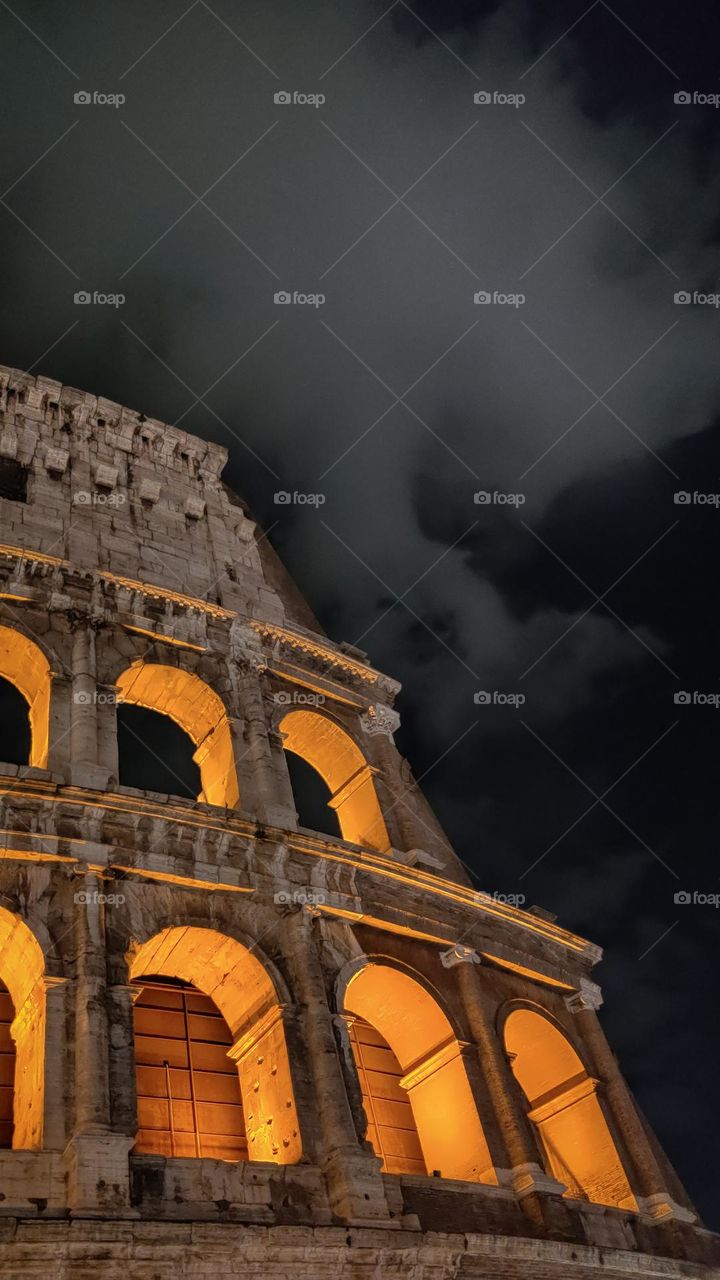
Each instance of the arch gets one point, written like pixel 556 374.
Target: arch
pixel 22 970
pixel 565 1110
pixel 24 664
pixel 240 987
pixel 433 1076
pixel 340 762
pixel 197 709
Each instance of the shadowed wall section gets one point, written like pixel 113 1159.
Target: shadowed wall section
pixel 565 1110
pixel 342 765
pixel 240 988
pixel 197 709
pixel 433 1072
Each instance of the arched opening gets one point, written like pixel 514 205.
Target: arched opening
pixel 345 771
pixel 25 666
pixel 198 710
pixel 565 1111
pixel 188 1092
pixel 240 1003
pixel 421 1111
pixel 312 797
pixel 155 754
pixel 22 1034
pixel 15 721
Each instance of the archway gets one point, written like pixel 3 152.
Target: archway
pixel 22 970
pixel 24 664
pixel 346 772
pixel 197 709
pixel 565 1110
pixel 239 988
pixel 425 1064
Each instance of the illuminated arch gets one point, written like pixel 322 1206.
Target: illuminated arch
pixel 565 1110
pixel 343 767
pixel 197 709
pixel 241 989
pixel 22 969
pixel 24 664
pixel 433 1076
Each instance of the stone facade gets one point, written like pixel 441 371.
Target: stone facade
pixel 129 573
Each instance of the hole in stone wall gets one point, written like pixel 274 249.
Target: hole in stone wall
pixel 13 480
pixel 311 794
pixel 15 725
pixel 155 754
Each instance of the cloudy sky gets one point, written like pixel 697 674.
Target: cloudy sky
pixel 578 196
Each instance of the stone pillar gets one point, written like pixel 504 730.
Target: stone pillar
pixel 526 1174
pixel 96 1158
pixel 355 1185
pixel 123 1093
pixel 60 727
pixel 409 819
pixel 265 778
pixel 648 1182
pixel 56 1064
pixel 85 770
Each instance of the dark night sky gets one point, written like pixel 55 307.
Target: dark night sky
pixel 398 398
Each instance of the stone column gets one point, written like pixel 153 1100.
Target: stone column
pixel 526 1174
pixel 56 1064
pixel 96 1158
pixel 123 1093
pixel 648 1181
pixel 85 768
pixel 60 726
pixel 353 1178
pixel 409 819
pixel 264 789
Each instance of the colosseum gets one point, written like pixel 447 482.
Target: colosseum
pixel 232 1045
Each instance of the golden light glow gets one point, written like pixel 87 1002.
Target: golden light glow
pixel 434 1075
pixel 565 1110
pixel 25 666
pixel 235 980
pixel 197 709
pixel 343 767
pixel 22 969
